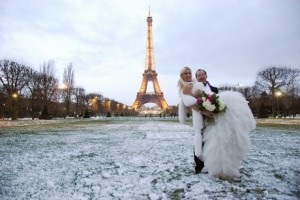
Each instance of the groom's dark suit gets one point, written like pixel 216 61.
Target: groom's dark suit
pixel 199 163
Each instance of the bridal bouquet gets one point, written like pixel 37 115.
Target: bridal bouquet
pixel 211 103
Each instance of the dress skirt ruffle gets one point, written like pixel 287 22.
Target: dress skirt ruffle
pixel 227 141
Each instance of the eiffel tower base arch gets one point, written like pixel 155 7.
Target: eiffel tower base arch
pixel 157 99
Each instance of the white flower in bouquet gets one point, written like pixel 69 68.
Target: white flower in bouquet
pixel 210 103
pixel 221 105
pixel 207 104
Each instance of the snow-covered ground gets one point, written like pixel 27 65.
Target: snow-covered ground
pixel 136 158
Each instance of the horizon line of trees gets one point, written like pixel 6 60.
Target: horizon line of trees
pixel 26 92
pixel 276 92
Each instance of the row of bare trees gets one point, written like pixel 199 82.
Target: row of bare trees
pixel 26 92
pixel 276 92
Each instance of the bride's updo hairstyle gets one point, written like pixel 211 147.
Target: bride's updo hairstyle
pixel 181 82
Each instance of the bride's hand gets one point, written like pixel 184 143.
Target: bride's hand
pixel 207 113
pixel 197 93
pixel 195 108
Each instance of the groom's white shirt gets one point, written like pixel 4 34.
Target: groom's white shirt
pixel 207 89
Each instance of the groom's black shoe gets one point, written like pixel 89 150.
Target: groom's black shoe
pixel 198 170
pixel 199 164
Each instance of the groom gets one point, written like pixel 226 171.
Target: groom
pixel 201 76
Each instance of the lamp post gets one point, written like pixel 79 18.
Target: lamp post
pixel 3 111
pixel 124 110
pixel 277 94
pixel 108 108
pixel 14 105
pixel 95 105
pixel 65 93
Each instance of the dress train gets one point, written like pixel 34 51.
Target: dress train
pixel 227 141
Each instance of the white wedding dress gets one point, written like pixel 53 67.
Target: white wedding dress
pixel 227 141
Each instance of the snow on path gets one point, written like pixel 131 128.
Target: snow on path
pixel 156 130
pixel 137 159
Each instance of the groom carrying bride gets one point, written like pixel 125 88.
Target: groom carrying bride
pixel 188 90
pixel 226 138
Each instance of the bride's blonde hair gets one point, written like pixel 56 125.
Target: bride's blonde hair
pixel 181 82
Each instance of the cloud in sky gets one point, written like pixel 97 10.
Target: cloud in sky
pixel 106 40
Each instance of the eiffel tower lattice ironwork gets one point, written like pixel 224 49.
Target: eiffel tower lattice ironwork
pixel 149 75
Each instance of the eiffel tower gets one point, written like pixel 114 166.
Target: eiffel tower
pixel 149 75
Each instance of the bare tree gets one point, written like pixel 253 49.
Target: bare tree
pixel 3 99
pixel 291 103
pixel 79 94
pixel 247 91
pixel 68 81
pixel 14 77
pixel 93 102
pixel 48 83
pixel 32 88
pixel 275 79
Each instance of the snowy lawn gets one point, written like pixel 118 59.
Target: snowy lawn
pixel 137 158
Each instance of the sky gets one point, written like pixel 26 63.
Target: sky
pixel 105 40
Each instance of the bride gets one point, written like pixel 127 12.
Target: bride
pixel 185 85
pixel 227 140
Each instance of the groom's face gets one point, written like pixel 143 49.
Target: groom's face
pixel 201 76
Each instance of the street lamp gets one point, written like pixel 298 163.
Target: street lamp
pixel 277 94
pixel 14 95
pixel 13 106
pixel 3 110
pixel 124 110
pixel 63 86
pixel 95 105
